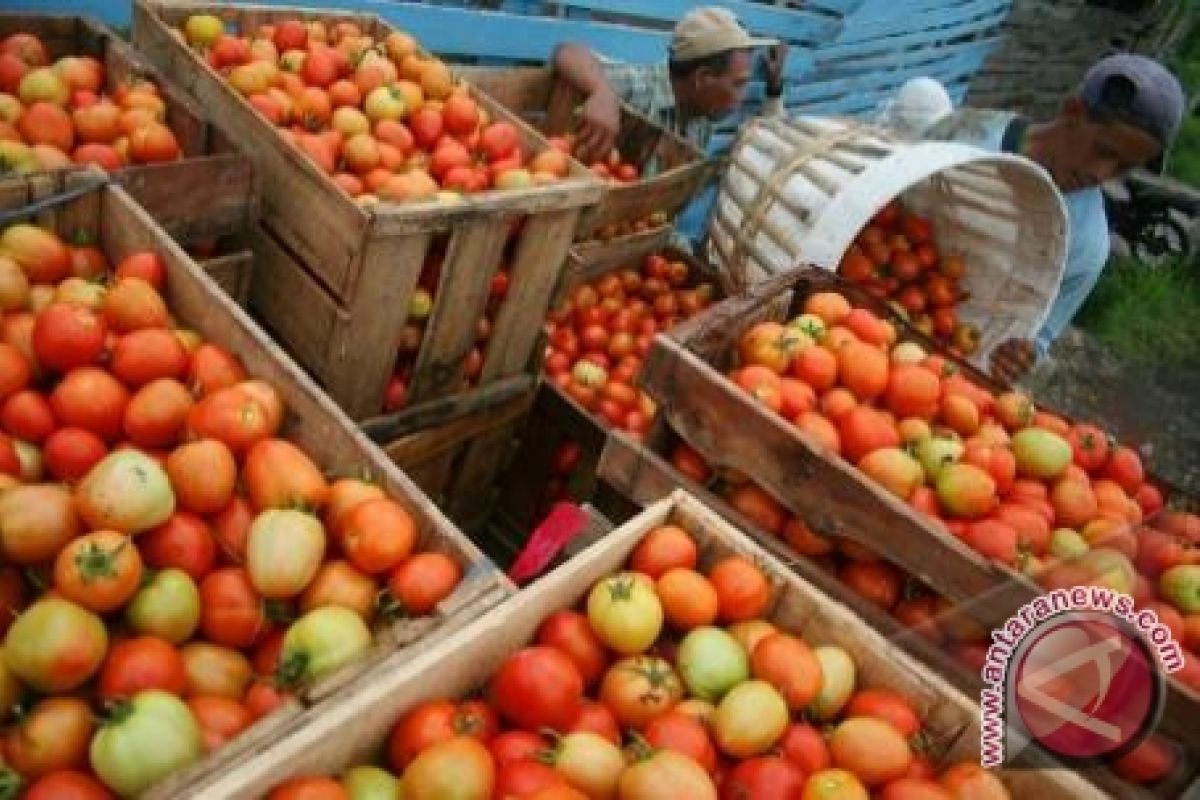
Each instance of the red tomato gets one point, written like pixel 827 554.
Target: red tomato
pixel 570 632
pixel 763 778
pixel 184 542
pixel 684 734
pixel 231 612
pixel 66 785
pixel 598 719
pixel 142 664
pixel 70 453
pixel 538 687
pixel 27 416
pixel 514 746
pixel 66 336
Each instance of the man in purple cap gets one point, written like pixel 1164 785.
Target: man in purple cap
pixel 1123 116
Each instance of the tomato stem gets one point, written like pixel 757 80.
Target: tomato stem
pixel 292 670
pixel 10 784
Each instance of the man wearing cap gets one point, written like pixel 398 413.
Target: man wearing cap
pixel 1123 116
pixel 708 69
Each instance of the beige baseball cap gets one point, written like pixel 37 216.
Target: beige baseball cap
pixel 709 30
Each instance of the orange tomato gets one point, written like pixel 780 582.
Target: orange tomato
pixel 688 598
pixel 743 591
pixel 665 548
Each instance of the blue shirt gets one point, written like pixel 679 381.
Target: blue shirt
pixel 1087 224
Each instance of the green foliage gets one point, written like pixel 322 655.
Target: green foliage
pixel 1184 162
pixel 1147 315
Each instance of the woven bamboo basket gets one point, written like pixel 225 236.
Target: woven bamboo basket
pixel 798 191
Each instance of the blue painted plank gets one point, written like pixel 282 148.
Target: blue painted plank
pixel 116 13
pixel 931 26
pixel 918 20
pixel 791 24
pixel 947 69
pixel 899 34
pixel 495 34
pixel 904 58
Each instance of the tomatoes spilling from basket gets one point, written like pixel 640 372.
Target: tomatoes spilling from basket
pixel 169 558
pixel 896 258
pixel 385 120
pixel 56 114
pixel 670 680
pixel 599 335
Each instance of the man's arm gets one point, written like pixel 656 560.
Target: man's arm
pixel 600 114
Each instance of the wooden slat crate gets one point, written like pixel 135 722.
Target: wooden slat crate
pixel 209 165
pixel 334 278
pixel 633 475
pixel 460 450
pixel 313 422
pixel 333 737
pixel 685 374
pixel 676 168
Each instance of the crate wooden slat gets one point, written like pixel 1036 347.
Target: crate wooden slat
pixel 684 373
pixel 330 738
pixel 313 422
pixel 631 476
pixel 209 163
pixel 482 480
pixel 342 274
pixel 680 169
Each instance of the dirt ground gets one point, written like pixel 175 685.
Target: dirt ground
pixel 1157 407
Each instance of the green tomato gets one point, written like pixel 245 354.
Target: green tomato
pixel 145 740
pixel 750 719
pixel 321 642
pixel 625 612
pixel 711 662
pixel 838 679
pixel 167 606
pixel 371 783
pixel 55 646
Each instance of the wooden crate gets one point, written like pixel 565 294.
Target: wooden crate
pixel 314 423
pixel 210 165
pixel 331 738
pixel 634 475
pixel 685 374
pixel 457 449
pixel 337 276
pixel 678 168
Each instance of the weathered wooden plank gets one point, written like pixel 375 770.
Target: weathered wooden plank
pixel 437 412
pixel 232 273
pixel 472 257
pixel 535 271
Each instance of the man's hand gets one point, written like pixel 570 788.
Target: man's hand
pixel 1012 359
pixel 774 60
pixel 599 123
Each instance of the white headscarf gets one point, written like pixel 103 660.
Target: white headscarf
pixel 917 107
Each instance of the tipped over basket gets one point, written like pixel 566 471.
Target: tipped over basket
pixel 799 191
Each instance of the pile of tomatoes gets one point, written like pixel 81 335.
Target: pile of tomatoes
pixel 599 335
pixel 1058 500
pixel 169 562
pixel 669 681
pixel 896 258
pixel 56 115
pixel 383 119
